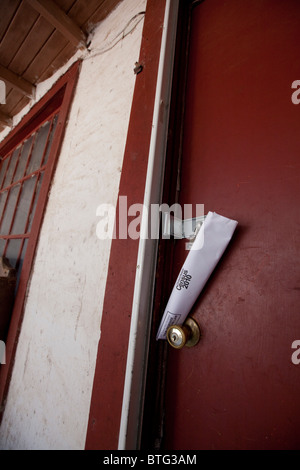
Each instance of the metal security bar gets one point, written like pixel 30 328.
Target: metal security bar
pixel 21 175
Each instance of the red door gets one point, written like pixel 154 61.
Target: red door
pixel 239 388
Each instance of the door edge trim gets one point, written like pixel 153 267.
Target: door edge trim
pixel 140 325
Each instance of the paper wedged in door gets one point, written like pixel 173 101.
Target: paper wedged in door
pixel 208 247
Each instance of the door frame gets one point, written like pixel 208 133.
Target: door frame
pixel 153 418
pixel 141 315
pixel 124 365
pixel 115 410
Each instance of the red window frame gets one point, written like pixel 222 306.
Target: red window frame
pixel 57 101
pixel 25 158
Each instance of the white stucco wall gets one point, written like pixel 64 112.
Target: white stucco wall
pixel 50 391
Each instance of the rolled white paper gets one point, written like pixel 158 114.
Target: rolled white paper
pixel 207 249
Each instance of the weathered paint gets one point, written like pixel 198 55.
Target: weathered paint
pixel 50 390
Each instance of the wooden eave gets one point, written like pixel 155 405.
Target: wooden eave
pixel 37 37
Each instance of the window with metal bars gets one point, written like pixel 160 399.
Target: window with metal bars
pixel 21 176
pixel 28 157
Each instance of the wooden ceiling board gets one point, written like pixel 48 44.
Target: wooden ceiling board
pixel 5 107
pixel 34 46
pixel 19 104
pixel 46 56
pixel 80 14
pixel 34 42
pixel 62 58
pixel 16 33
pixel 8 9
pixel 102 11
pixel 65 5
pixel 12 100
pixel 60 20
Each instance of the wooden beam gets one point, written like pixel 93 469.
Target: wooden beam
pixel 60 20
pixel 17 82
pixel 5 119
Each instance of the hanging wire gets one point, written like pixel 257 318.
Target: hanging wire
pixel 128 29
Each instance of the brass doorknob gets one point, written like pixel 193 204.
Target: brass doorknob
pixel 186 335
